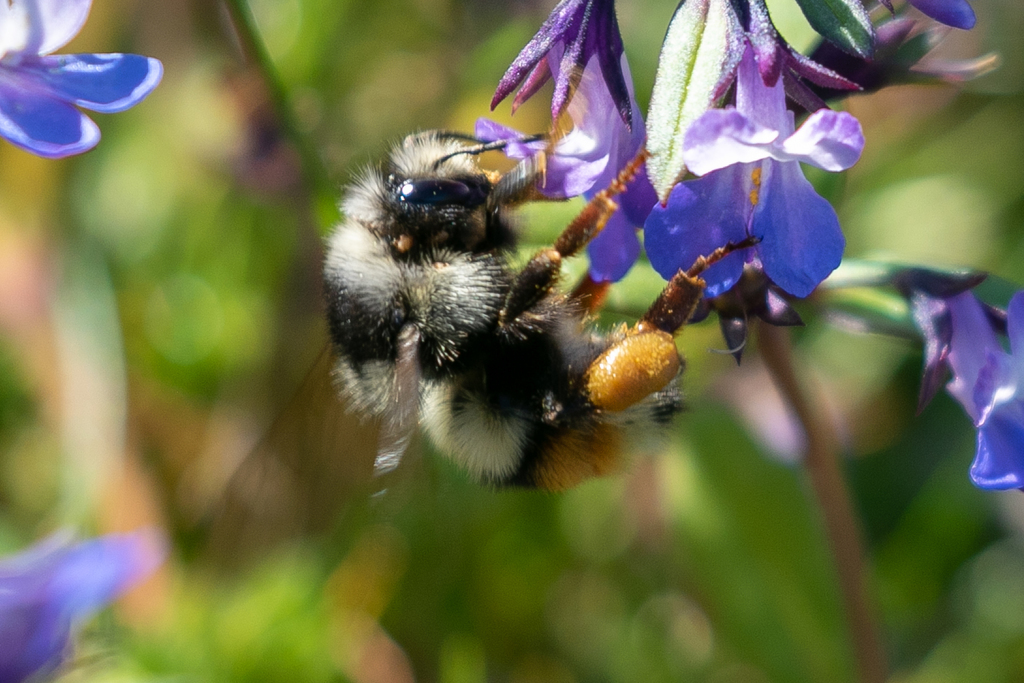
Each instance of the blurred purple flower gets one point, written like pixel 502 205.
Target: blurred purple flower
pixel 753 185
pixel 989 384
pixel 901 55
pixel 38 90
pixel 575 35
pixel 587 159
pixel 929 293
pixel 955 13
pixel 46 589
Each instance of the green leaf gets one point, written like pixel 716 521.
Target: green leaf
pixel 702 47
pixel 858 273
pixel 871 311
pixel 843 22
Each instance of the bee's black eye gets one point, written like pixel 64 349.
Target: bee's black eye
pixel 442 191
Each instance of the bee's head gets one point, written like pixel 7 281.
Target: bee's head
pixel 429 195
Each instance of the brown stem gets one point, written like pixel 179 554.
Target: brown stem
pixel 821 462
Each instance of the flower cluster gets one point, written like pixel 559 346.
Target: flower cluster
pixel 724 174
pixel 579 46
pixel 747 154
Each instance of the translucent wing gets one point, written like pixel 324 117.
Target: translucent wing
pixel 402 416
pixel 315 460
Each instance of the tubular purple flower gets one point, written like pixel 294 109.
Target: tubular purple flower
pixel 577 32
pixel 47 589
pixel 775 58
pixel 752 184
pixel 588 158
pixel 960 334
pixel 902 55
pixel 989 383
pixel 39 91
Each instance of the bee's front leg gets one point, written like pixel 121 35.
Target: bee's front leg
pixel 541 274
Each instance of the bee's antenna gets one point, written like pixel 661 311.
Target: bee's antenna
pixel 451 135
pixel 482 147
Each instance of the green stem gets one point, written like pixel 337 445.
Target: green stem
pixel 321 189
pixel 821 462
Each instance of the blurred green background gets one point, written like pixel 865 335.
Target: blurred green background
pixel 160 306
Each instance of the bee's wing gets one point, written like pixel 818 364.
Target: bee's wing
pixel 402 417
pixel 315 459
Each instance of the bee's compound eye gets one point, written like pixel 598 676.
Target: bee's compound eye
pixel 441 191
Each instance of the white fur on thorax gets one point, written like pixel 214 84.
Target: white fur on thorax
pixel 487 443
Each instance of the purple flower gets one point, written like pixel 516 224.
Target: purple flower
pixel 901 56
pixel 962 335
pixel 775 58
pixel 989 384
pixel 39 91
pixel 576 33
pixel 588 158
pixel 46 589
pixel 955 13
pixel 752 184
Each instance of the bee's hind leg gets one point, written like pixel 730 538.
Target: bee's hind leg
pixel 645 360
pixel 680 297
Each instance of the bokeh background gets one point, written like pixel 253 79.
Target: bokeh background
pixel 160 313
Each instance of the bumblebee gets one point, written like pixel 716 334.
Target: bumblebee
pixel 431 326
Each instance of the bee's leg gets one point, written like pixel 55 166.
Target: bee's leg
pixel 679 299
pixel 589 294
pixel 592 219
pixel 646 359
pixel 520 184
pixel 539 276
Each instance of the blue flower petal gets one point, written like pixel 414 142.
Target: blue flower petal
pixel 94 572
pixel 831 140
pixel 106 83
pixel 614 250
pixel 999 462
pixel 955 13
pixel 723 137
pixel 44 590
pixel 701 216
pixel 487 130
pixel 640 197
pixel 42 125
pixel 801 240
pixel 995 385
pixel 32 643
